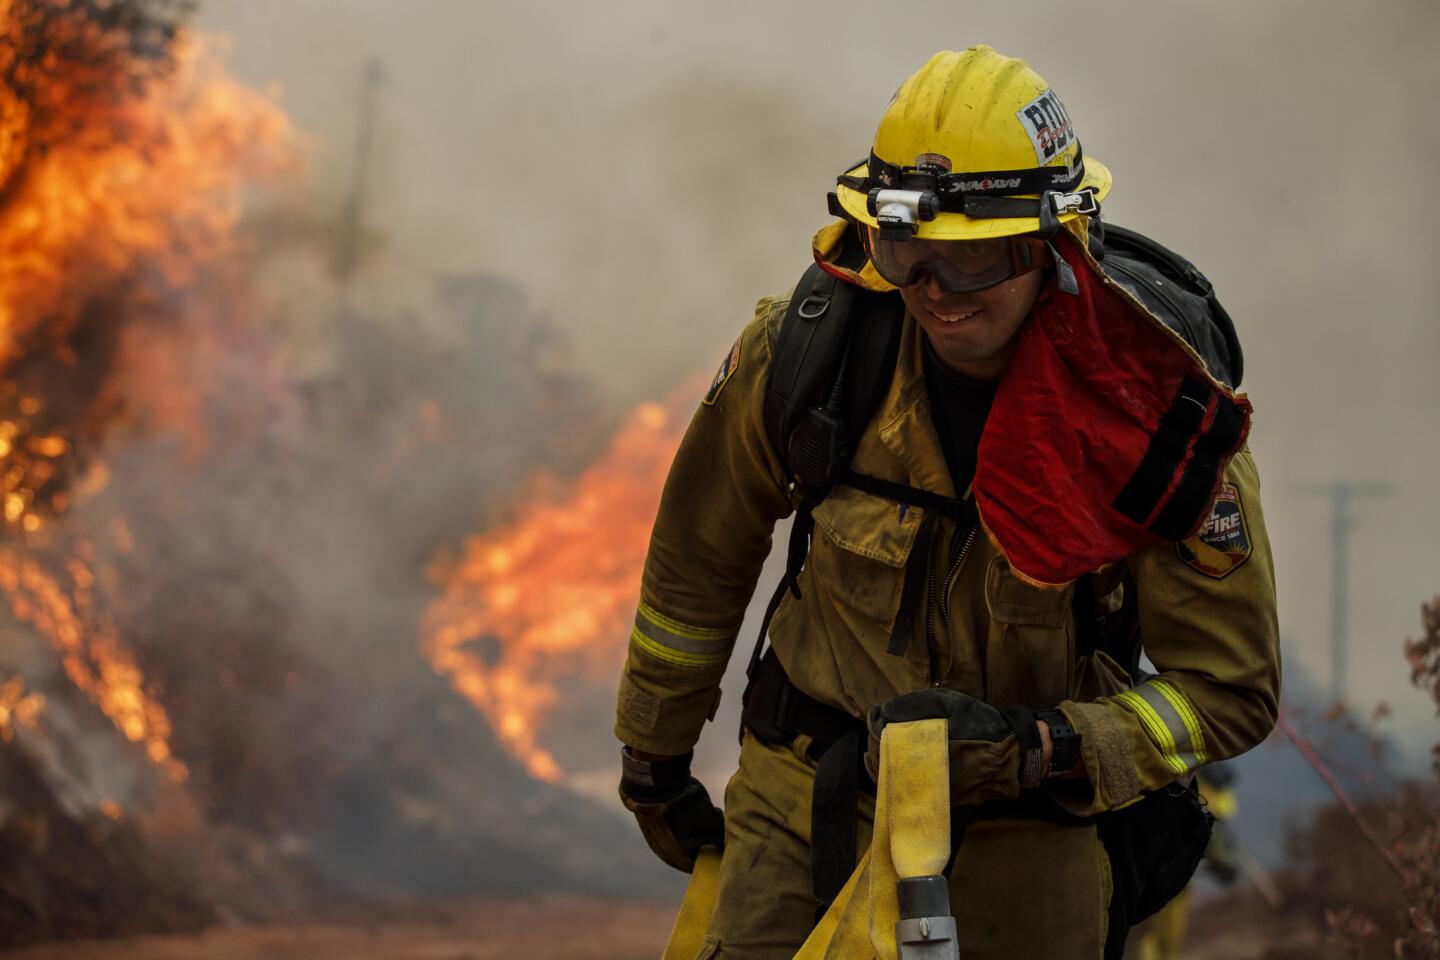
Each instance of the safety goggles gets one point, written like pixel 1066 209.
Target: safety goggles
pixel 958 266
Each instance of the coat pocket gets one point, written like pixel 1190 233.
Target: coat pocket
pixel 857 560
pixel 1012 600
pixel 1031 644
pixel 872 527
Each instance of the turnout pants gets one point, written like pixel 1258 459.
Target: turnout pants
pixel 1019 888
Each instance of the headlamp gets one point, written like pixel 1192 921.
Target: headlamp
pixel 898 212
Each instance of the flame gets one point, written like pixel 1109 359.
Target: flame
pixel 154 175
pixel 89 648
pixel 124 149
pixel 27 465
pixel 18 707
pixel 115 158
pixel 552 594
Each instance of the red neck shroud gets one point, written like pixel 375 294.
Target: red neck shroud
pixel 1107 434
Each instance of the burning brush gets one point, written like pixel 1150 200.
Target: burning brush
pixel 122 153
pixel 241 613
pixel 544 603
pixel 123 149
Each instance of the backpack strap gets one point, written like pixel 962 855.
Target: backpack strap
pixel 807 352
pixel 963 512
pixel 831 362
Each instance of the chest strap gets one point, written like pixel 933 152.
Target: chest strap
pixel 962 512
pixel 917 565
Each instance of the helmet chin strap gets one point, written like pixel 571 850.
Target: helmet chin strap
pixel 1050 202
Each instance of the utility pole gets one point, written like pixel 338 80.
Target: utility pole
pixel 324 389
pixel 352 214
pixel 1342 495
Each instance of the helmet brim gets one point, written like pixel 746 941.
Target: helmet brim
pixel 957 226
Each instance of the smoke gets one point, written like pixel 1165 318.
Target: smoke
pixel 273 579
pixel 646 173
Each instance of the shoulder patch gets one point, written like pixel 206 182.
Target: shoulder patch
pixel 723 375
pixel 1223 543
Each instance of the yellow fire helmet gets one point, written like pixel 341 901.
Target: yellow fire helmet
pixel 974 145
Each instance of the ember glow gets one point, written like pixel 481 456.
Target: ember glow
pixel 18 707
pixel 545 602
pixel 64 611
pixel 29 462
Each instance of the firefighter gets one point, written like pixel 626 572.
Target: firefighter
pixel 1021 457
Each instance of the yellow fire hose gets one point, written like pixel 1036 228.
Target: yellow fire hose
pixel 695 909
pixel 911 842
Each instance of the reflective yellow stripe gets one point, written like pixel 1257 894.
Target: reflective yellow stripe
pixel 681 643
pixel 1170 722
pixel 1187 716
pixel 671 655
pixel 684 629
pixel 1155 729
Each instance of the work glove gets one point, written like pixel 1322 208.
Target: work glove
pixel 673 809
pixel 993 753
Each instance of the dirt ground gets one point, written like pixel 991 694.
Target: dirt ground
pixel 562 929
pixel 533 930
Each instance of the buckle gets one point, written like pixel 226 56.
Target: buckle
pixel 1082 201
pixel 813 307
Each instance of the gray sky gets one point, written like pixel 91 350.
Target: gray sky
pixel 645 171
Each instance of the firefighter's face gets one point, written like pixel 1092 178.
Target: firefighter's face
pixel 974 333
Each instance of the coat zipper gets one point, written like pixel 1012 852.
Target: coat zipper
pixel 955 570
pixel 932 645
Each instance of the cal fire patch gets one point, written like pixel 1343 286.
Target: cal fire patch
pixel 1223 543
pixel 723 375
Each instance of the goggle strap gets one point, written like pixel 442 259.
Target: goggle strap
pixel 1024 208
pixel 988 208
pixel 958 186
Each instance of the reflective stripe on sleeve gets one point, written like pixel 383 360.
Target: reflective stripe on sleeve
pixel 680 643
pixel 1169 722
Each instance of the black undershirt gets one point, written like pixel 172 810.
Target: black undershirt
pixel 959 406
